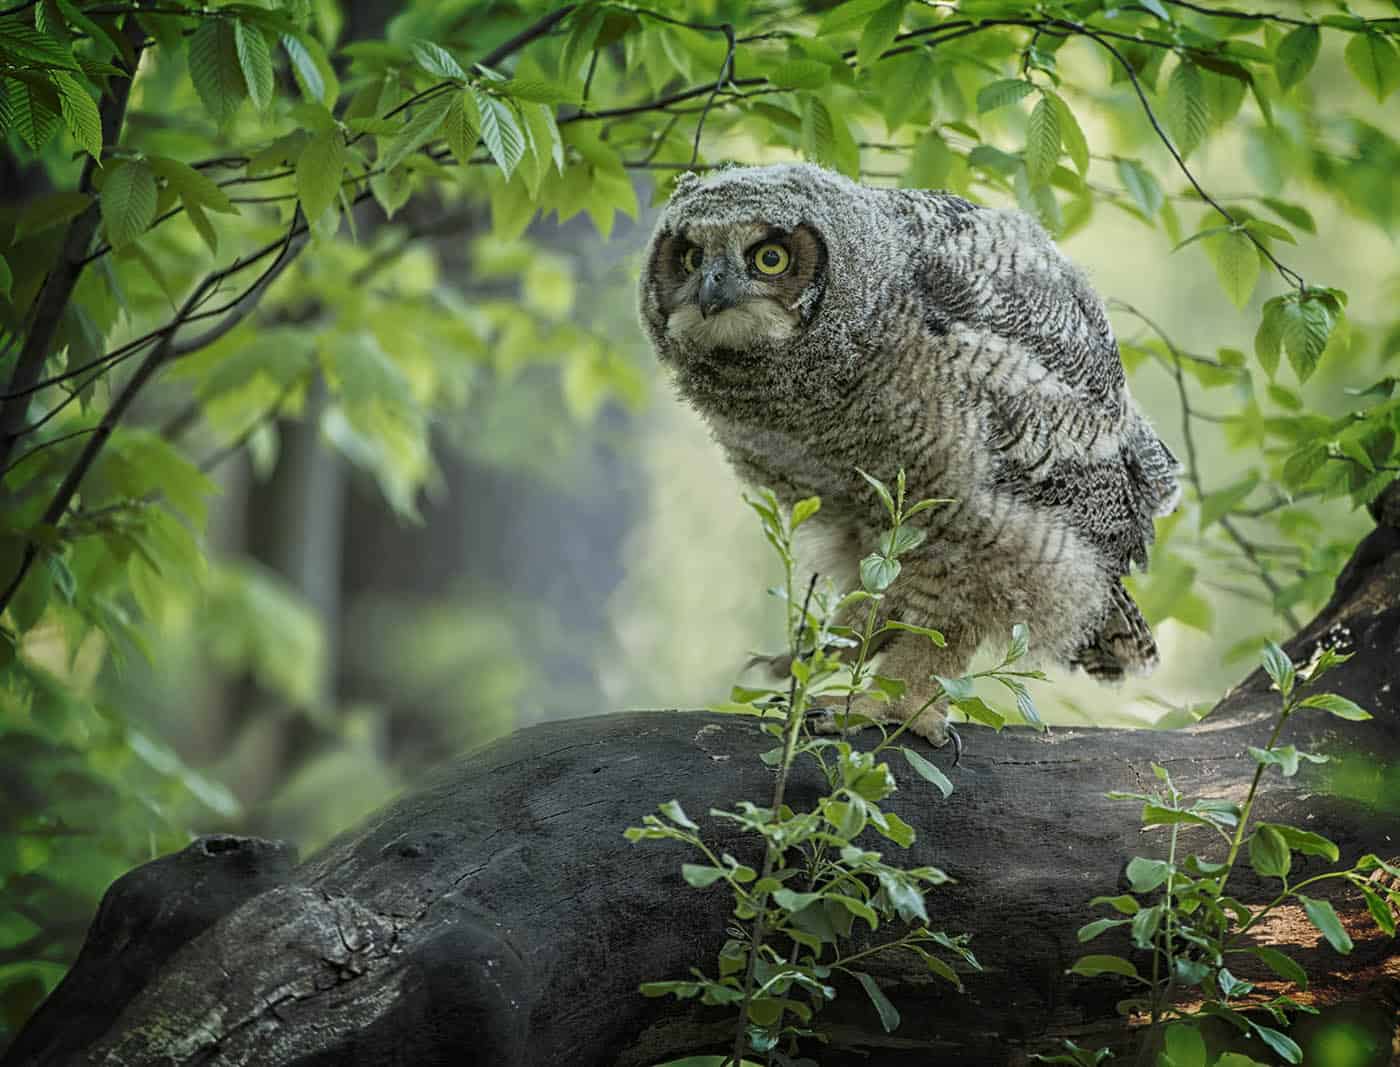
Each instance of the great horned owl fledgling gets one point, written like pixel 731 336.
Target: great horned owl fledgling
pixel 820 325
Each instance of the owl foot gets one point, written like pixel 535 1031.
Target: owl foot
pixel 833 719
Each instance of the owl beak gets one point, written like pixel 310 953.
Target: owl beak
pixel 719 290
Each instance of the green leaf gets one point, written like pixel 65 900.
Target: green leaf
pixel 928 772
pixel 428 117
pixel 1123 904
pixel 1324 917
pixel 255 58
pixel 537 91
pixel 1283 966
pixel 1236 264
pixel 801 74
pixel 1296 54
pixel 319 170
pixel 818 132
pixel 1279 667
pixel 460 133
pixel 1000 93
pixel 858 908
pixel 1145 875
pixel 699 876
pixel 310 68
pixel 1071 135
pixel 880 490
pixel 7 278
pixel 1295 215
pixel 889 1017
pixel 49 210
pixel 32 108
pixel 31 599
pixel 79 112
pixel 192 185
pixel 1336 705
pixel 672 810
pixel 1375 62
pixel 879 32
pixel 1141 185
pixel 435 59
pixel 1268 852
pixel 878 573
pixel 128 201
pixel 1280 1042
pixel 933 635
pixel 1380 911
pixel 1091 930
pixel 1042 140
pixel 1184 1046
pixel 978 710
pixel 1187 112
pixel 1265 229
pixel 847 15
pixel 898 542
pixel 804 509
pixel 202 226
pixel 680 990
pixel 1285 758
pixel 1305 841
pixel 1307 325
pixel 1157 815
pixel 1268 340
pixel 1216 505
pixel 1144 926
pixel 1092 966
pixel 500 131
pixel 215 68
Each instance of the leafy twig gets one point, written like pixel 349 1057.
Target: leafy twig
pixel 770 854
pixel 725 70
pixel 58 287
pixel 1100 38
pixel 165 351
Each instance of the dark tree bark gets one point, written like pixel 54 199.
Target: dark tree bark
pixel 497 915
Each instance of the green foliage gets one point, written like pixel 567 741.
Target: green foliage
pixel 75 765
pixel 1179 912
pixel 213 170
pixel 842 880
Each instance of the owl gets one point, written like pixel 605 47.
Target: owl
pixel 820 326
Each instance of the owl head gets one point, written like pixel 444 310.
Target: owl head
pixel 739 266
pixel 735 284
pixel 768 287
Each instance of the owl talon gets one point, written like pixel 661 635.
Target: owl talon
pixel 956 738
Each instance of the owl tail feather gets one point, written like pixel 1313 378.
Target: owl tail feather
pixel 1123 643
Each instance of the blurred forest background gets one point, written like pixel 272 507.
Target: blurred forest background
pixel 429 486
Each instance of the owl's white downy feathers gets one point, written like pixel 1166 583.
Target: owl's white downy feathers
pixel 914 329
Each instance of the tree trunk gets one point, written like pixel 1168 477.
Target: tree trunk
pixel 497 915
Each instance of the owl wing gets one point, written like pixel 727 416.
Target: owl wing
pixel 1033 343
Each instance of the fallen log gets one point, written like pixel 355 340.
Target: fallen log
pixel 496 915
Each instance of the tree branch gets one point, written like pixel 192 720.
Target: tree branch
pixel 164 352
pixel 57 290
pixel 1287 273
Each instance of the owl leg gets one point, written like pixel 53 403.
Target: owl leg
pixel 914 660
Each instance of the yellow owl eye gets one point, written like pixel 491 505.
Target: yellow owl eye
pixel 771 258
pixel 691 260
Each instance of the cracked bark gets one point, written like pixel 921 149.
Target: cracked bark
pixel 497 916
